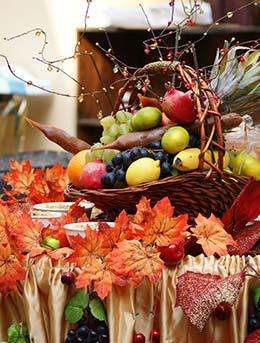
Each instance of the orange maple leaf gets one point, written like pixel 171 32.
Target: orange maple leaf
pixel 10 269
pixel 27 234
pixel 86 248
pixel 111 236
pixel 8 221
pixel 161 227
pixel 142 214
pixel 212 236
pixel 133 261
pixel 97 273
pixel 57 178
pixel 53 254
pixel 20 177
pixel 39 189
pixel 76 212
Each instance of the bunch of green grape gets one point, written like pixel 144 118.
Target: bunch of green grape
pixel 115 126
pixel 105 155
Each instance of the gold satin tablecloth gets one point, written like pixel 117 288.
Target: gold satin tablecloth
pixel 41 299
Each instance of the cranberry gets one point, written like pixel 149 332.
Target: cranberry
pixel 68 278
pixel 155 336
pixel 139 338
pixel 223 311
pixel 172 254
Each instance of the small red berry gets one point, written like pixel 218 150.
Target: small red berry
pixel 242 59
pixel 155 336
pixel 172 254
pixel 68 278
pixel 170 55
pixel 139 338
pixel 223 311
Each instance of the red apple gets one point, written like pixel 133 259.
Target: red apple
pixel 178 106
pixel 172 254
pixel 91 174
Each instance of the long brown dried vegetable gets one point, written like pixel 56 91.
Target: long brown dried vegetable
pixel 62 138
pixel 143 138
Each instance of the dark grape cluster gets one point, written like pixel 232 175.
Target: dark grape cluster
pixel 194 141
pixel 88 330
pixel 254 321
pixel 117 167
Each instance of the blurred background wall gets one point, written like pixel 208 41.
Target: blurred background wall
pixel 59 18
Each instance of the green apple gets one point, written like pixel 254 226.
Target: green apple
pixel 146 118
pixel 247 165
pixel 175 139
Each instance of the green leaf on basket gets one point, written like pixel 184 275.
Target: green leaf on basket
pixel 256 297
pixel 98 310
pixel 74 308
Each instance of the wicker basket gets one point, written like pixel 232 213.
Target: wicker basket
pixel 193 192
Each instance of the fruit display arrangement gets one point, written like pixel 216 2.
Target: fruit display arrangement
pixel 172 152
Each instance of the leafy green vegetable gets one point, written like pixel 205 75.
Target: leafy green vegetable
pixel 97 309
pixel 75 307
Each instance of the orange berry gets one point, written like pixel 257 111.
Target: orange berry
pixel 75 167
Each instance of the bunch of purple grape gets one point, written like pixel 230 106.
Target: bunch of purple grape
pixel 88 330
pixel 117 167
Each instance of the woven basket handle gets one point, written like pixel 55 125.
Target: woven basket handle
pixel 197 85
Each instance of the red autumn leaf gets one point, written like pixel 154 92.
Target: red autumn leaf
pixel 53 254
pixel 97 273
pixel 86 248
pixel 142 214
pixel 76 211
pixel 36 252
pixel 60 253
pixel 254 337
pixel 27 234
pixel 39 189
pixel 4 215
pixel 133 261
pixel 199 294
pixel 161 227
pixel 245 239
pixel 10 269
pixel 20 177
pixel 111 236
pixel 245 208
pixel 56 178
pixel 211 235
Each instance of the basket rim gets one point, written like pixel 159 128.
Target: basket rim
pixel 196 175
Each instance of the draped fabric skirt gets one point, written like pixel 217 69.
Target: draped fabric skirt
pixel 41 299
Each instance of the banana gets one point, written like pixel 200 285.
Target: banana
pixel 188 159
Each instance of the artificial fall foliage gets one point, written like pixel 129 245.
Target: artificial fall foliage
pixel 11 270
pixel 35 185
pixel 254 337
pixel 244 209
pixel 199 294
pixel 245 238
pixel 212 236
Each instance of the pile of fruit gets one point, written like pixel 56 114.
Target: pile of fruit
pixel 153 143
